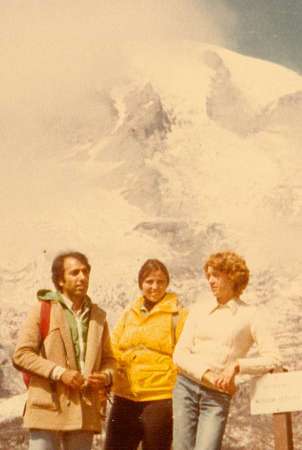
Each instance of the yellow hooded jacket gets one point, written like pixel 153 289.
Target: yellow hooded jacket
pixel 143 344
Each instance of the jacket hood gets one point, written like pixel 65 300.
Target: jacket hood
pixel 48 295
pixel 55 296
pixel 168 304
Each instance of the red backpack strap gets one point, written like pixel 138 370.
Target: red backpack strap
pixel 44 318
pixel 44 329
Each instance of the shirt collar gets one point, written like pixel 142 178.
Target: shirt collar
pixel 232 305
pixel 84 308
pixel 143 309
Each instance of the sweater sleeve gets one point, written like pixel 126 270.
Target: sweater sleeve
pixel 269 356
pixel 27 353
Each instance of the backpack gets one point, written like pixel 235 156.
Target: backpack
pixel 44 328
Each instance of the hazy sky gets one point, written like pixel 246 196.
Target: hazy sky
pixel 268 29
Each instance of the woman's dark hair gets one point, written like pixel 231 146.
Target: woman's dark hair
pixel 57 268
pixel 149 266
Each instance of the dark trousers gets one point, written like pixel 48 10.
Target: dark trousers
pixel 131 422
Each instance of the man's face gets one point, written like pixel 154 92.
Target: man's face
pixel 76 279
pixel 221 285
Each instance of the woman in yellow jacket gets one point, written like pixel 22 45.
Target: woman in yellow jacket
pixel 143 343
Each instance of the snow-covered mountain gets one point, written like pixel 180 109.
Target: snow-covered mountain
pixel 192 150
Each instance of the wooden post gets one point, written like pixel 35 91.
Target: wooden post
pixel 283 432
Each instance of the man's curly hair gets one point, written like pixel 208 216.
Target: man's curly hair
pixel 233 266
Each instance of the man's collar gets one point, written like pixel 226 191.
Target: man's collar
pixel 85 304
pixel 232 304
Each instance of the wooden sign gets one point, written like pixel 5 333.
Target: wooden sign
pixel 277 392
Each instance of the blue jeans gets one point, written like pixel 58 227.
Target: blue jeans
pixel 57 440
pixel 200 416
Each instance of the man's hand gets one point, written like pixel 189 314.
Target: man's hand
pixel 73 379
pixel 97 380
pixel 226 379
